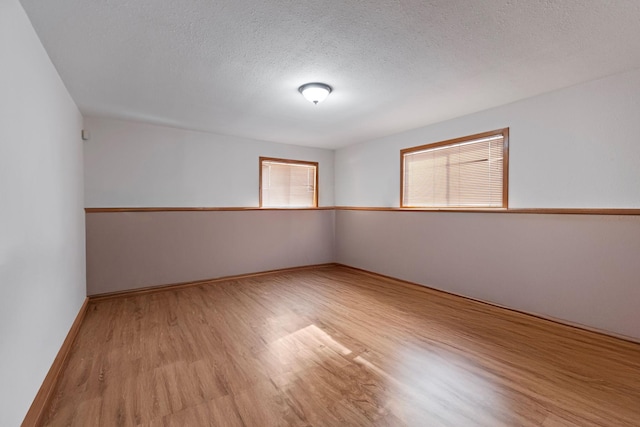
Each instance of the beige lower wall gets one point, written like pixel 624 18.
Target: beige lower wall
pixel 129 250
pixel 582 269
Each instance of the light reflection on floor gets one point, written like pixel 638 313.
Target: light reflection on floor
pixel 419 384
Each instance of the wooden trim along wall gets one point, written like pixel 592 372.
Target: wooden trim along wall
pixel 58 364
pixel 175 286
pixel 547 211
pixel 425 288
pixel 544 211
pixel 196 209
pixel 43 398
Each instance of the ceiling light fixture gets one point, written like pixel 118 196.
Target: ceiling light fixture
pixel 315 92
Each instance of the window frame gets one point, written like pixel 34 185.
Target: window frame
pixel 504 132
pixel 294 162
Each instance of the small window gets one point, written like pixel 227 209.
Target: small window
pixel 288 183
pixel 468 172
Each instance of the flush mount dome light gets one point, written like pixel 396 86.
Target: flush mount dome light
pixel 315 92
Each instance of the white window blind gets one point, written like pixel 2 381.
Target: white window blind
pixel 288 183
pixel 466 172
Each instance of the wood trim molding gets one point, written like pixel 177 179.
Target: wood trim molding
pixel 200 209
pixel 543 211
pixel 426 288
pixel 43 398
pixel 546 211
pixel 174 286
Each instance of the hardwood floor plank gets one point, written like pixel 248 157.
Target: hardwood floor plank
pixel 336 347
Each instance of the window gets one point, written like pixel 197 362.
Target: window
pixel 288 183
pixel 465 172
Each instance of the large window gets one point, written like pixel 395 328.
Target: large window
pixel 468 172
pixel 288 183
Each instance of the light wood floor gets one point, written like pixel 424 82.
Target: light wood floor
pixel 335 347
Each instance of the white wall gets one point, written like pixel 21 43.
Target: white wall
pixel 42 261
pixel 574 148
pixel 132 164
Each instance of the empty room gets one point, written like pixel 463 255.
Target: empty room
pixel 384 213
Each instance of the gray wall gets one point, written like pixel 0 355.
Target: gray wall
pixel 581 269
pixel 129 250
pixel 42 261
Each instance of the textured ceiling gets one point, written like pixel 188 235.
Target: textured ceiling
pixel 233 66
